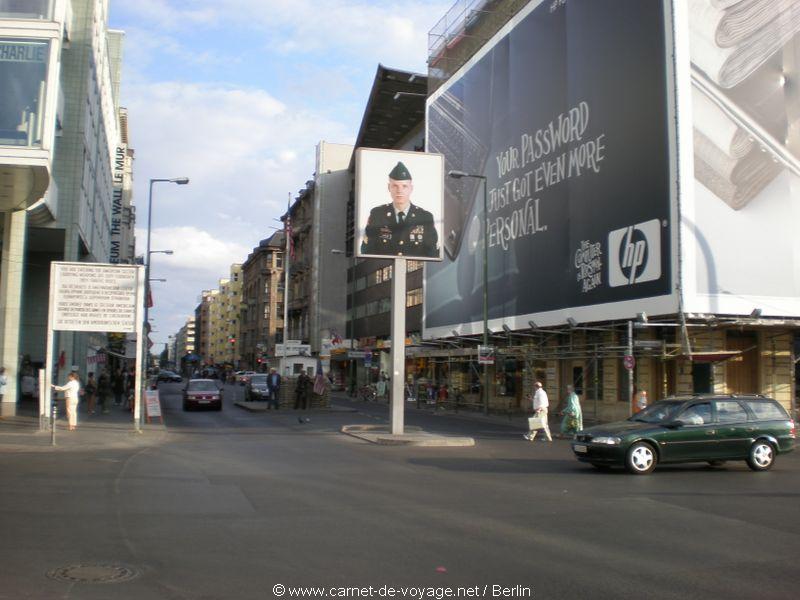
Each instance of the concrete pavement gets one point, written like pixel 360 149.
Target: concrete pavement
pixel 114 430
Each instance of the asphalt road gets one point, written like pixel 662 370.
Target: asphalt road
pixel 234 503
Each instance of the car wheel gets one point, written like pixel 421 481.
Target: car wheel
pixel 641 459
pixel 762 456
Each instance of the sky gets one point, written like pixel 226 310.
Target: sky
pixel 235 95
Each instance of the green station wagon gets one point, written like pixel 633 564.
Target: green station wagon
pixel 705 428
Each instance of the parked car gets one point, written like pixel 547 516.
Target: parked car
pixel 245 377
pixel 202 393
pixel 705 428
pixel 256 388
pixel 169 376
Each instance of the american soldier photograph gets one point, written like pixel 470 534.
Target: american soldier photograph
pixel 393 219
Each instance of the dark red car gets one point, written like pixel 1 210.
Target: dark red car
pixel 202 393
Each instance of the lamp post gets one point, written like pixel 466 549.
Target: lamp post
pixel 460 175
pixel 143 366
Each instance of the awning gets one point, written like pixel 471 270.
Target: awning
pixel 714 356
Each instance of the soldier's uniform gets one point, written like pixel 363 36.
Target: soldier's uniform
pixel 415 236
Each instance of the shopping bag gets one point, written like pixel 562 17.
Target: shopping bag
pixel 535 423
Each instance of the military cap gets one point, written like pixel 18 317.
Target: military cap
pixel 399 172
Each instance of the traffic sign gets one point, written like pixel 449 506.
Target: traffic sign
pixel 629 361
pixel 485 355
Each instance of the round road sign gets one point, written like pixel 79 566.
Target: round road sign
pixel 628 361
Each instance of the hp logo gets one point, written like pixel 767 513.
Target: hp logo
pixel 634 254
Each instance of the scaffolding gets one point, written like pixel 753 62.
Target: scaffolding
pixel 461 32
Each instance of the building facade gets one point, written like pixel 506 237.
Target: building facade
pixel 586 288
pixel 263 297
pixel 316 311
pixel 60 127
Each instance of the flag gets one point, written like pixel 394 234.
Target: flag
pixel 319 379
pixel 149 299
pixel 62 360
pixel 335 338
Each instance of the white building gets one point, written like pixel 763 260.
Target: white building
pixel 60 128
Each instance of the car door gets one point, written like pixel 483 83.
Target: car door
pixel 695 438
pixel 735 434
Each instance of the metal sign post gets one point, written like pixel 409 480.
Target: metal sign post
pixel 94 297
pixel 398 345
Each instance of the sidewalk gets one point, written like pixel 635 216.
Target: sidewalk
pixel 112 430
pixel 518 420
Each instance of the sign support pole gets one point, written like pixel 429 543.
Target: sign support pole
pixel 138 392
pixel 398 345
pixel 46 392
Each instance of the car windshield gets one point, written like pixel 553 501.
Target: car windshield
pixel 258 380
pixel 202 385
pixel 658 412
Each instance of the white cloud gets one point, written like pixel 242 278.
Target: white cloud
pixel 195 251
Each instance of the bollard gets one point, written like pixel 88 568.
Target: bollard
pixel 53 424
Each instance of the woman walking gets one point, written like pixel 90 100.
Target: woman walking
pixel 573 417
pixel 90 389
pixel 71 394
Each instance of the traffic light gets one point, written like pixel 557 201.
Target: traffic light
pixel 232 340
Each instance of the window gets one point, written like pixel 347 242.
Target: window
pixel 23 74
pixel 730 411
pixel 414 297
pixel 697 414
pixel 384 305
pixel 279 261
pixel 26 9
pixel 765 410
pixel 361 283
pixel 414 265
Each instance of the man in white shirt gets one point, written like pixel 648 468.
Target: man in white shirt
pixel 540 405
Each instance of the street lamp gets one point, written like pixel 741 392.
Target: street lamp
pixel 350 331
pixel 460 175
pixel 143 367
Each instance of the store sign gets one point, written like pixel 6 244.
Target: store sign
pixel 571 151
pixel 117 204
pixel 293 348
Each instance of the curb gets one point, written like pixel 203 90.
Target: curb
pixel 380 435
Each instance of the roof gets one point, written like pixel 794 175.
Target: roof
pixel 387 121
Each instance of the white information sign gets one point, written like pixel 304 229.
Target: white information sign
pixel 293 348
pixel 95 297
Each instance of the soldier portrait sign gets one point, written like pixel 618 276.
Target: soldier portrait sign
pixel 399 204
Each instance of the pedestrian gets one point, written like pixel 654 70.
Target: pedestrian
pixel 572 422
pixel 274 388
pixel 441 396
pixel 103 391
pixel 71 394
pixel 540 404
pixel 90 391
pixel 640 401
pixel 118 387
pixel 3 382
pixel 380 387
pixel 301 391
pixel 431 389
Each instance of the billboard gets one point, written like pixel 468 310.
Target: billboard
pixel 741 202
pixel 566 112
pixel 398 204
